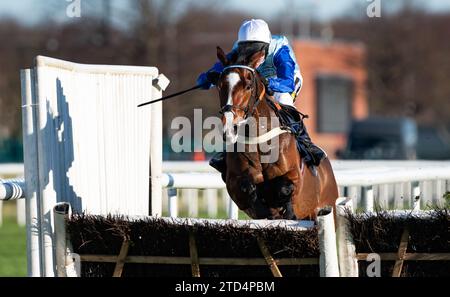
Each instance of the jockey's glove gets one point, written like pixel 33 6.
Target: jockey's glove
pixel 266 85
pixel 212 77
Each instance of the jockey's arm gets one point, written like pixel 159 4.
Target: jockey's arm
pixel 285 66
pixel 217 67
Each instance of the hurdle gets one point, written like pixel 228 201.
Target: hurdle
pixel 87 143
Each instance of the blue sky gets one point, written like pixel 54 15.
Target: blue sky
pixel 32 11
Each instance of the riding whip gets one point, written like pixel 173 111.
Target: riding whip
pixel 170 96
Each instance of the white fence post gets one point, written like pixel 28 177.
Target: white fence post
pixel 61 214
pixel 20 211
pixel 341 191
pixel 233 210
pixel 368 198
pixel 398 196
pixel 156 135
pixel 440 190
pixel 211 197
pixel 407 194
pixel 415 199
pixel 173 202
pixel 348 264
pixel 192 202
pixel 30 154
pixel 383 196
pixel 68 264
pixel 422 194
pixel 328 260
pixel 427 193
pixel 353 193
pixel 225 198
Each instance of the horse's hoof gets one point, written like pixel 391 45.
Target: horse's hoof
pixel 287 190
pixel 288 213
pixel 248 187
pixel 253 196
pixel 285 193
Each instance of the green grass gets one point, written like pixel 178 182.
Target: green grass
pixel 13 250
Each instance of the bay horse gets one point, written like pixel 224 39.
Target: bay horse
pixel 283 189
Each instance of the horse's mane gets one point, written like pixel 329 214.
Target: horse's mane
pixel 246 50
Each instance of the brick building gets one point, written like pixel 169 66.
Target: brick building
pixel 334 89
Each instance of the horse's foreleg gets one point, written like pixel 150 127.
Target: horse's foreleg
pixel 244 192
pixel 286 189
pixel 248 188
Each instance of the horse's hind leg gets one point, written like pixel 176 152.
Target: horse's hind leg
pixel 329 190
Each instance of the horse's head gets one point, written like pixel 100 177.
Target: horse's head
pixel 238 86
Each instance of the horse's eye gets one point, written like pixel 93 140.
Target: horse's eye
pixel 248 87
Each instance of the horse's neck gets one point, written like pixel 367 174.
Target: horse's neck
pixel 265 111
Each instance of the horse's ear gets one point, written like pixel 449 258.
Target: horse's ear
pixel 257 59
pixel 221 56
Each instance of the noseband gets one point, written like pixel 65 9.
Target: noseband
pixel 246 109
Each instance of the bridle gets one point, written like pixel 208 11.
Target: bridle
pixel 253 96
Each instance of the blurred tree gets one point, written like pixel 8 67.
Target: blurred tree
pixel 180 42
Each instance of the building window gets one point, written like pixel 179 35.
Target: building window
pixel 334 101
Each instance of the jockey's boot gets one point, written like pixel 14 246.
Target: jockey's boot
pixel 313 154
pixel 218 162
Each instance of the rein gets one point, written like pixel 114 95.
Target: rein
pixel 246 109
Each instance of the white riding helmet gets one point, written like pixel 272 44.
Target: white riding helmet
pixel 254 30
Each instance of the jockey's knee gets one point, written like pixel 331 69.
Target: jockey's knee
pixel 284 98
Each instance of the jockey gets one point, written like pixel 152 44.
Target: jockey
pixel 280 69
pixel 280 73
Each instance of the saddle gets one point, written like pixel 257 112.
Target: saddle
pixel 291 119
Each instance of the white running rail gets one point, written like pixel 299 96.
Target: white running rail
pixel 390 184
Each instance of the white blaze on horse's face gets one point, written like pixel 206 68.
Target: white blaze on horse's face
pixel 231 137
pixel 233 78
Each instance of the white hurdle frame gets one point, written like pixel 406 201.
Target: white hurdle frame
pixel 44 89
